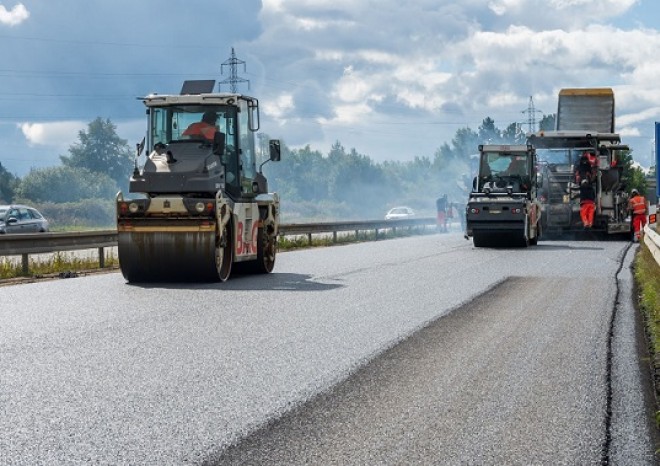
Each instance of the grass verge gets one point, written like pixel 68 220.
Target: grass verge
pixel 58 263
pixel 647 278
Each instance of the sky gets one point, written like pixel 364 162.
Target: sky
pixel 393 80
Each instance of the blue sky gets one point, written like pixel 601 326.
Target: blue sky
pixel 392 79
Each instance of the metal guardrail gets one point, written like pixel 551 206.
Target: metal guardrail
pixel 652 240
pixel 43 243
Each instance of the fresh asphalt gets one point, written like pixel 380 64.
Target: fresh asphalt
pixel 421 350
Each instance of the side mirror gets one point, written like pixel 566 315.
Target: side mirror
pixel 12 221
pixel 274 148
pixel 219 143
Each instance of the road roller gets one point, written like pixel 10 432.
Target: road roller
pixel 503 209
pixel 199 205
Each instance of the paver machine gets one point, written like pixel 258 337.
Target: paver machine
pixel 201 205
pixel 585 126
pixel 502 209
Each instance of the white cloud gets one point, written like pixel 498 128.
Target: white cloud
pixel 58 135
pixel 15 16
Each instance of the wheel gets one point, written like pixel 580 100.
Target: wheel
pixel 266 250
pixel 224 253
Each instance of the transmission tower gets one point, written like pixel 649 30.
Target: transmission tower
pixel 531 115
pixel 233 78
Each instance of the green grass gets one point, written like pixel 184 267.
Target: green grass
pixel 59 262
pixel 647 278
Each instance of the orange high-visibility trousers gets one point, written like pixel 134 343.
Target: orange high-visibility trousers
pixel 587 210
pixel 639 222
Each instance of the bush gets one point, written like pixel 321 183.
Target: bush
pixel 86 214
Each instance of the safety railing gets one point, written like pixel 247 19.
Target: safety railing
pixel 44 243
pixel 652 241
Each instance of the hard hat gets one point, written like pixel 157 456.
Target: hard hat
pixel 634 191
pixel 584 182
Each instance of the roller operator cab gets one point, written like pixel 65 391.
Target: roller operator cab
pixel 502 209
pixel 200 205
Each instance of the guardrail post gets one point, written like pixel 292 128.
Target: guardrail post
pixel 25 264
pixel 334 236
pixel 357 234
pixel 101 258
pixel 309 238
pixel 376 234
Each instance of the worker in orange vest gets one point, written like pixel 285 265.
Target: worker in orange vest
pixel 587 204
pixel 203 129
pixel 638 209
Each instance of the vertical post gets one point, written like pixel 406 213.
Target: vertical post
pixel 657 160
pixel 334 236
pixel 357 235
pixel 101 259
pixel 24 263
pixel 309 238
pixel 376 238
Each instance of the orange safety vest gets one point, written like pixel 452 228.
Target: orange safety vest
pixel 200 129
pixel 638 205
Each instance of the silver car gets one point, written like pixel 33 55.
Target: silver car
pixel 21 219
pixel 398 213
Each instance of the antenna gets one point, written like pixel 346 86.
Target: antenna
pixel 233 78
pixel 531 115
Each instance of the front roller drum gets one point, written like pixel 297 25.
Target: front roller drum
pixel 173 256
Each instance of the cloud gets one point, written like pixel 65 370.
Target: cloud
pixel 15 16
pixel 58 135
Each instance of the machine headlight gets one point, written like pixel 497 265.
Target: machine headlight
pixel 133 207
pixel 199 207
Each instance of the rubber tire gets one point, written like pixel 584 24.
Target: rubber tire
pixel 224 254
pixel 266 251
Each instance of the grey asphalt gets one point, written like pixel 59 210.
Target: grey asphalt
pixel 93 370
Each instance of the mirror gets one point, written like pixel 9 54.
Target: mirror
pixel 12 220
pixel 274 146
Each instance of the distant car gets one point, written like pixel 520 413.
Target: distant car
pixel 21 219
pixel 398 213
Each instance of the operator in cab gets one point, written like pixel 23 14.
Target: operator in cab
pixel 204 129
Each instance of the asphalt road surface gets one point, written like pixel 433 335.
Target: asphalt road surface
pixel 421 350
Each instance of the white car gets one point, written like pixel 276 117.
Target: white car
pixel 398 213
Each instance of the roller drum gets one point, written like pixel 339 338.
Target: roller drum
pixel 168 256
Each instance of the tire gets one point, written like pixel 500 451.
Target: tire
pixel 266 251
pixel 224 253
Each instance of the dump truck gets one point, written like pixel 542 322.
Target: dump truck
pixel 502 209
pixel 200 205
pixel 584 128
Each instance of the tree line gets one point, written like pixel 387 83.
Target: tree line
pixel 342 184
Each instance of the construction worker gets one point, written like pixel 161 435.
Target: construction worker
pixel 638 210
pixel 203 129
pixel 585 168
pixel 441 207
pixel 587 204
